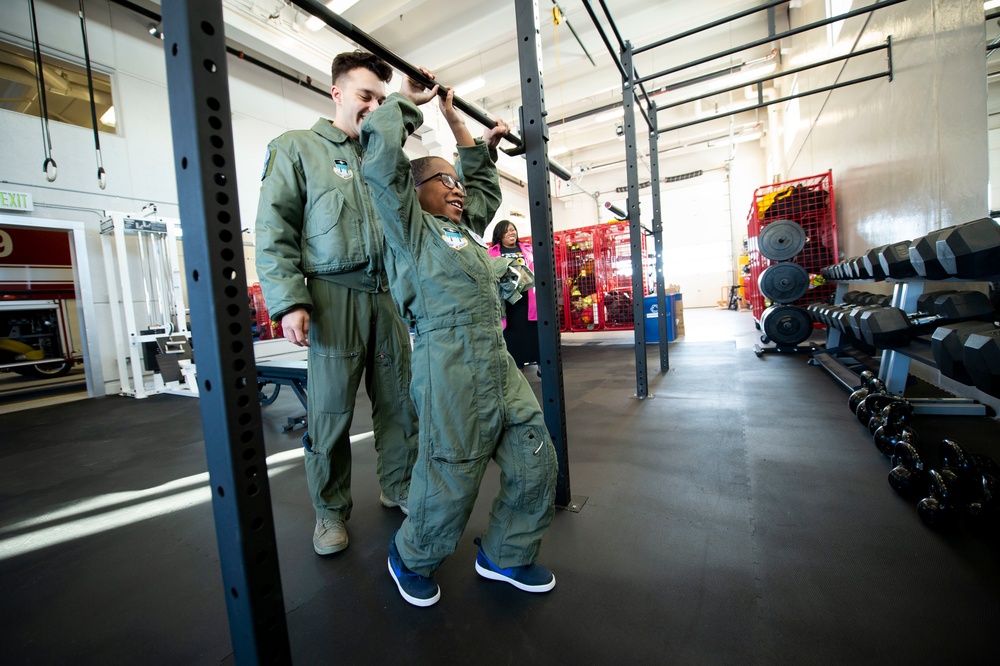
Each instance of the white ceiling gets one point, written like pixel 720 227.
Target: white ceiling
pixel 460 40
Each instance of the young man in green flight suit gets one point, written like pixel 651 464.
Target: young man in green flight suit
pixel 473 402
pixel 321 267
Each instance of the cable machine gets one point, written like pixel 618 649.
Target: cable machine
pixel 148 314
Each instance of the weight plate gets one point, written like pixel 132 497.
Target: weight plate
pixel 786 324
pixel 781 240
pixel 784 282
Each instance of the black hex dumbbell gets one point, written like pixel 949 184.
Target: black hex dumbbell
pixel 923 256
pixel 872 265
pixel 948 347
pixel 971 250
pixel 891 327
pixel 981 357
pixel 895 261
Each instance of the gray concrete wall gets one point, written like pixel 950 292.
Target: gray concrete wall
pixel 908 156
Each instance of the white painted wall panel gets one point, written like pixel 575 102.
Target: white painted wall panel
pixel 908 156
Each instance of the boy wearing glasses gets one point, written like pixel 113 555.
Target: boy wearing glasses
pixel 472 402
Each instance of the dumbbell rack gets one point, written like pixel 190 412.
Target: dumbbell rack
pixel 810 203
pixel 894 366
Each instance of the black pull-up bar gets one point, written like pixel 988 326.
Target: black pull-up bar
pixel 366 41
pixel 770 38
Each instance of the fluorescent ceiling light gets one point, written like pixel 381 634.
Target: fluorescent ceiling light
pixel 466 87
pixel 991 4
pixel 614 114
pixel 337 7
pixel 109 117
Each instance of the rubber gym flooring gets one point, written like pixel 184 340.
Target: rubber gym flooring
pixel 741 515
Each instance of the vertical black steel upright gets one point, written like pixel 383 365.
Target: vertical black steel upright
pixel 535 134
pixel 654 184
pixel 635 231
pixel 200 119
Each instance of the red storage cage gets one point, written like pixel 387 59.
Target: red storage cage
pixel 810 203
pixel 559 249
pixel 263 327
pixel 579 276
pixel 614 270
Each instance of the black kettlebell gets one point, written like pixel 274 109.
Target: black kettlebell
pixel 983 508
pixel 872 405
pixel 950 487
pixel 852 402
pixel 895 414
pixel 908 475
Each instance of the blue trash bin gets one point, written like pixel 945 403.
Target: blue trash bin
pixel 652 317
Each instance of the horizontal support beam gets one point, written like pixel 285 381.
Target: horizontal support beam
pixel 780 35
pixel 366 41
pixel 886 74
pixel 777 75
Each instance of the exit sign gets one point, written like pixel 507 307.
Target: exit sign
pixel 16 201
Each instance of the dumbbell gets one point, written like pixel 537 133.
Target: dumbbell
pixel 886 328
pixel 893 427
pixel 981 357
pixel 948 347
pixel 866 298
pixel 923 256
pixel 970 250
pixel 872 265
pixel 925 301
pixel 895 261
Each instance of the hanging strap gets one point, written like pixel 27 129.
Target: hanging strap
pixel 101 176
pixel 49 165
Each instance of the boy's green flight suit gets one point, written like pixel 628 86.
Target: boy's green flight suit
pixel 472 401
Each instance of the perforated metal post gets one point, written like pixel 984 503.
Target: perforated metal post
pixel 661 297
pixel 200 119
pixel 635 231
pixel 535 134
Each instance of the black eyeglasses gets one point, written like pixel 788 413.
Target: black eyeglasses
pixel 446 179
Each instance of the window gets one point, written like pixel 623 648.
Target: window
pixel 836 8
pixel 66 93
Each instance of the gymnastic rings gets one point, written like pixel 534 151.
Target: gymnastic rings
pixel 51 169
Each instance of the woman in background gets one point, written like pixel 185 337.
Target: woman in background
pixel 521 326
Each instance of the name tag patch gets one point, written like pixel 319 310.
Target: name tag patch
pixel 341 168
pixel 454 238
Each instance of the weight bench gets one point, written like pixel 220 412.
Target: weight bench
pixel 280 363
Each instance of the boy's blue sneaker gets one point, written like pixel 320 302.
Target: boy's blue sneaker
pixel 530 577
pixel 416 589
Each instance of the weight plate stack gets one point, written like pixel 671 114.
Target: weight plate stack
pixel 786 324
pixel 781 240
pixel 784 282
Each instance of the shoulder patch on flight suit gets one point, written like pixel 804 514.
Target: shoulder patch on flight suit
pixel 479 239
pixel 341 168
pixel 454 238
pixel 267 164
